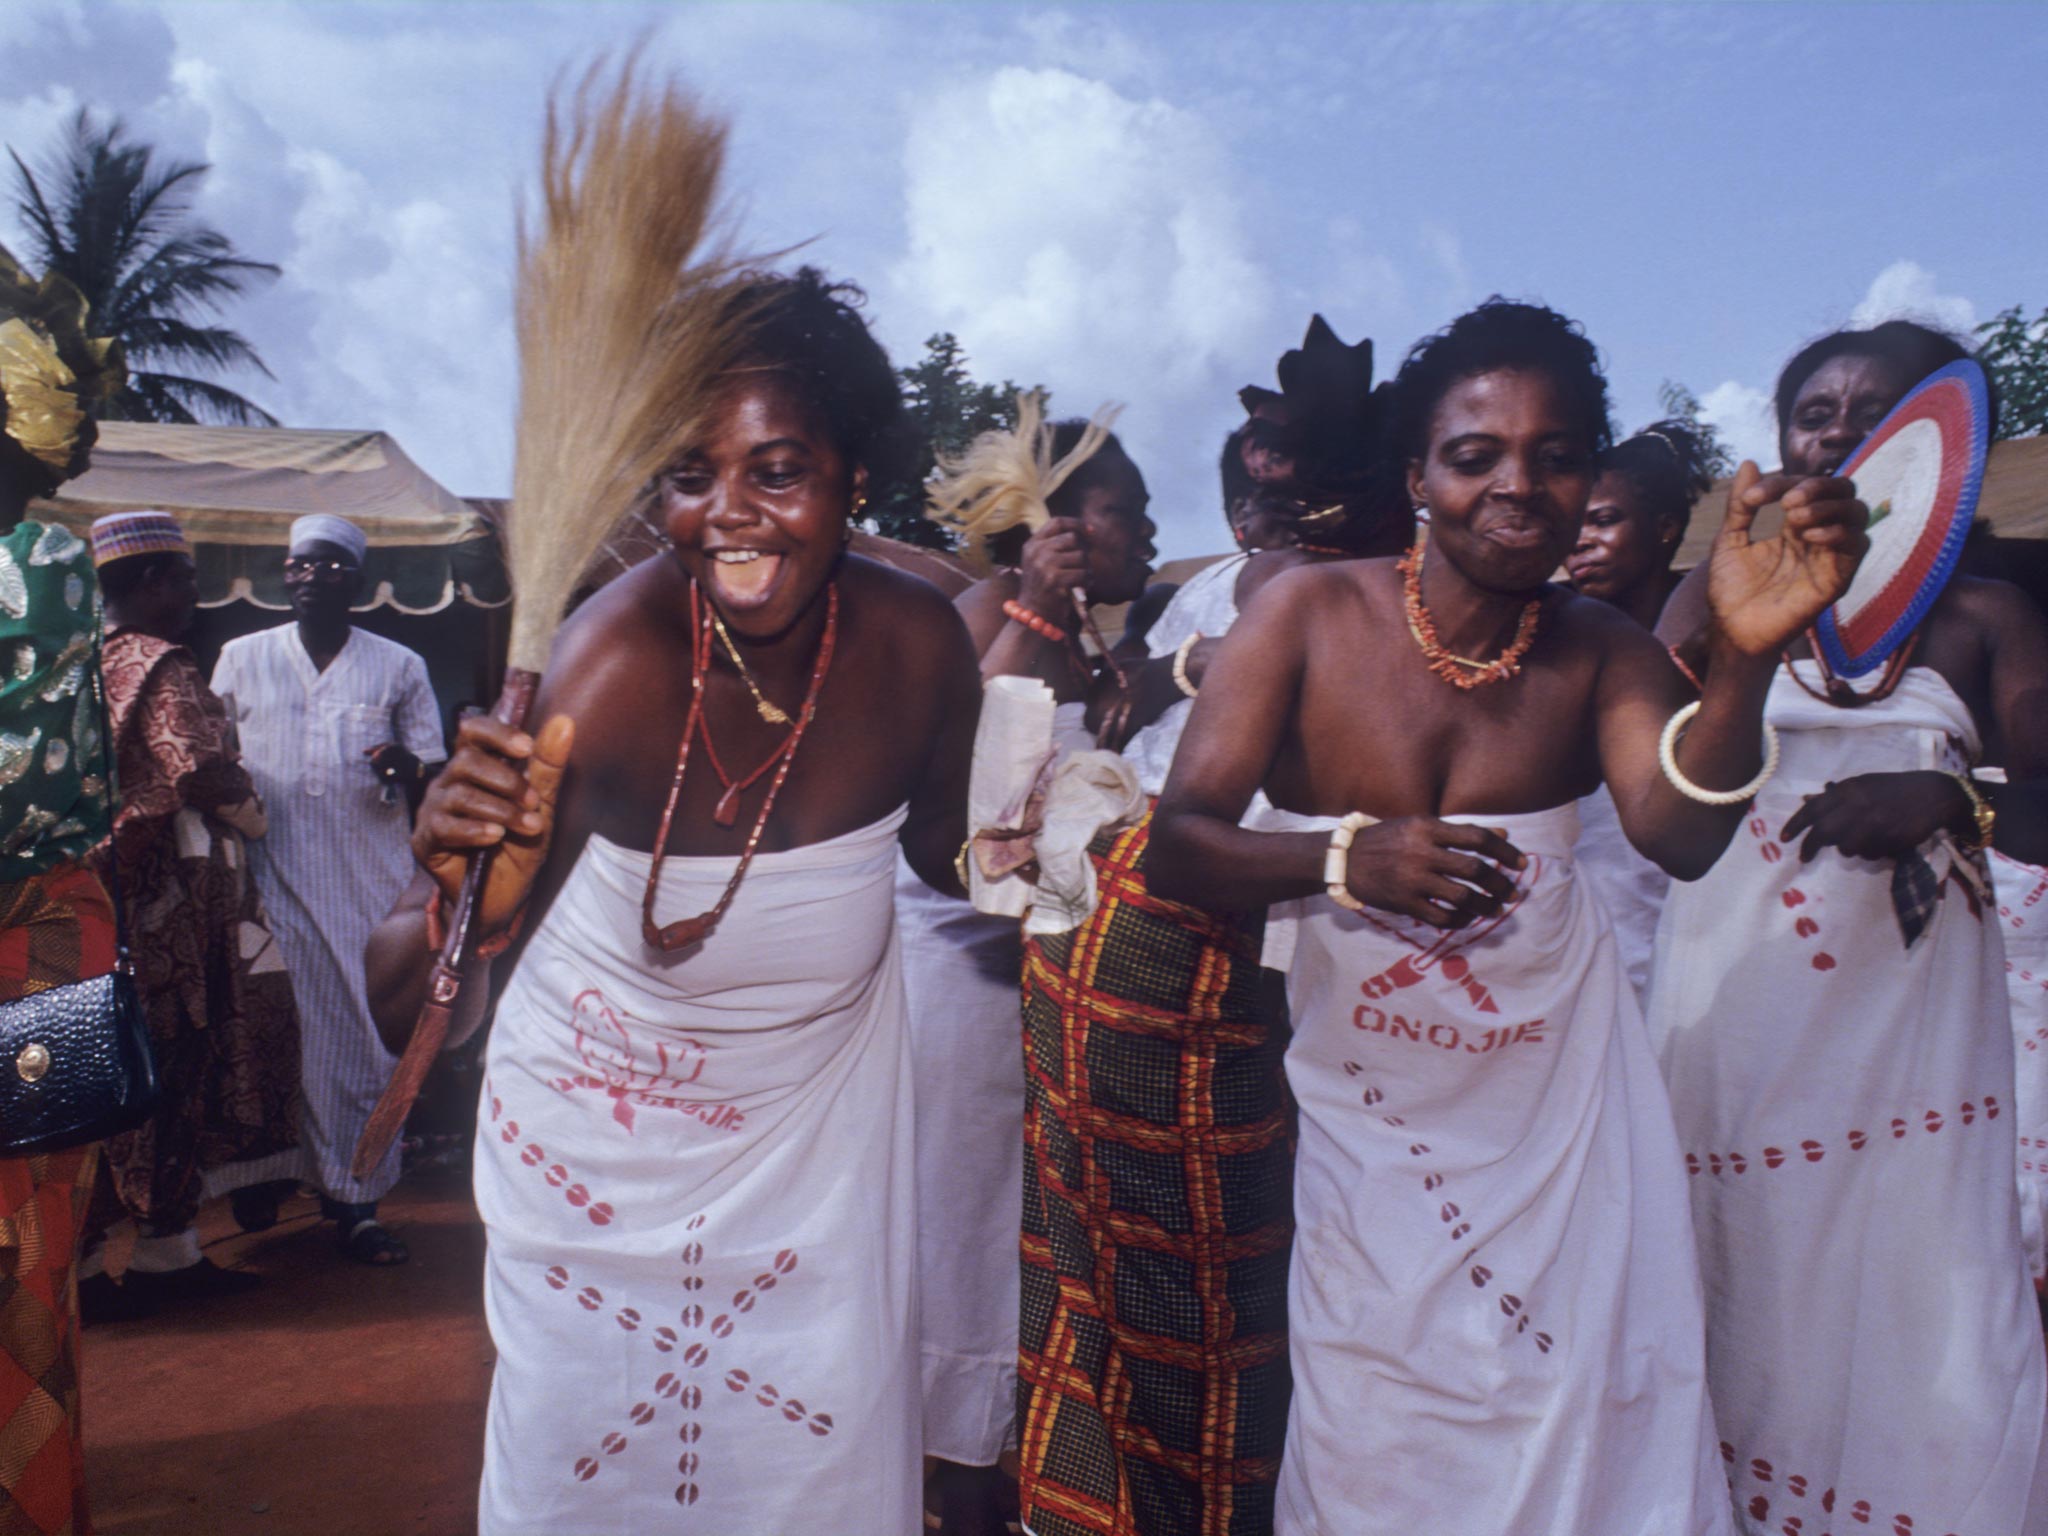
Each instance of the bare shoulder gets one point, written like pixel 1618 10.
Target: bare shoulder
pixel 905 595
pixel 988 594
pixel 1597 631
pixel 622 630
pixel 909 614
pixel 1996 610
pixel 1322 588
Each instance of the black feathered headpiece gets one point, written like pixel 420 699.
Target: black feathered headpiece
pixel 1325 421
pixel 1320 439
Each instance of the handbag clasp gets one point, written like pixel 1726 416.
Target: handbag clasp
pixel 33 1061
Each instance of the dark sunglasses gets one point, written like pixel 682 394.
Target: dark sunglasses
pixel 307 568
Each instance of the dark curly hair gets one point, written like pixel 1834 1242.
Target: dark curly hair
pixel 1667 463
pixel 1916 349
pixel 1500 333
pixel 810 328
pixel 1007 548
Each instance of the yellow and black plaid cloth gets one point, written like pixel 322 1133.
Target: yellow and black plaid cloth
pixel 1153 1379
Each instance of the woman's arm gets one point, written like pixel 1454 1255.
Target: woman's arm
pixel 1639 690
pixel 1443 873
pixel 1888 815
pixel 2019 703
pixel 937 824
pixel 498 792
pixel 1198 853
pixel 1762 594
pixel 1052 566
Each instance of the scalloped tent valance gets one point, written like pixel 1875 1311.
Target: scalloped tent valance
pixel 237 491
pixel 2013 503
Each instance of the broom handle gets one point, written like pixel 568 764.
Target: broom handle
pixel 444 985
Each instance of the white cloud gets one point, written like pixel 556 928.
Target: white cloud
pixel 1741 414
pixel 1447 252
pixel 1087 239
pixel 1905 290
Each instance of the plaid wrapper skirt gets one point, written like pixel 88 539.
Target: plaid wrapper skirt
pixel 54 929
pixel 1153 1377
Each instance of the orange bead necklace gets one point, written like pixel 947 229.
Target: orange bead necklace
pixel 1460 671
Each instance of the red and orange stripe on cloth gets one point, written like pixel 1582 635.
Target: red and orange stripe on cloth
pixel 1153 1379
pixel 54 929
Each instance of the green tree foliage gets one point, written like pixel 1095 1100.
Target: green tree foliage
pixel 1681 404
pixel 2014 351
pixel 115 221
pixel 948 410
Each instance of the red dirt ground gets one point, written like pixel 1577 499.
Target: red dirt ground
pixel 336 1400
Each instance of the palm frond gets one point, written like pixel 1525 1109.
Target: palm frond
pixel 181 398
pixel 46 239
pixel 164 339
pixel 182 273
pixel 115 220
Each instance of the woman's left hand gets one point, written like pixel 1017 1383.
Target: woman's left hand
pixel 1763 593
pixel 1878 815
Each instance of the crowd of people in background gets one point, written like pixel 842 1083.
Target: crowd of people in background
pixel 1462 1109
pixel 231 841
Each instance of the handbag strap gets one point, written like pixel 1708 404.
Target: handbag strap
pixel 123 960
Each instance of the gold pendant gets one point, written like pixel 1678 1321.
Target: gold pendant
pixel 772 713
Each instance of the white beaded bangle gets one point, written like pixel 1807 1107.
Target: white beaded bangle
pixel 1337 859
pixel 1180 664
pixel 1667 758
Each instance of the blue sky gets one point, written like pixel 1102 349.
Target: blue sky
pixel 1138 202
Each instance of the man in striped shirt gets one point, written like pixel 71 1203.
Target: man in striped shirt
pixel 340 731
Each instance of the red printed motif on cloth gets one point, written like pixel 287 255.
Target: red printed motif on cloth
pixel 606 1045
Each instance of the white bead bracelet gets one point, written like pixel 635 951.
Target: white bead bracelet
pixel 1180 664
pixel 1337 859
pixel 1667 758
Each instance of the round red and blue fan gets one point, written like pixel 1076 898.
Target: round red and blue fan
pixel 1919 474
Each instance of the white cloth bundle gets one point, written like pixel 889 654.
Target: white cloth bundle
pixel 1031 797
pixel 1087 791
pixel 1012 746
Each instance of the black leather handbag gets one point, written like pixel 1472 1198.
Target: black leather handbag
pixel 75 1063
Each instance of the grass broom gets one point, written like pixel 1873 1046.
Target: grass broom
pixel 625 310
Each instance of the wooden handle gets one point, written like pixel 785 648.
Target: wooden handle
pixel 444 989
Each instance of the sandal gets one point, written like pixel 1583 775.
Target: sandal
pixel 367 1242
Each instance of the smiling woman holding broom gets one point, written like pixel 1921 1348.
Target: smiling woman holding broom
pixel 694 1154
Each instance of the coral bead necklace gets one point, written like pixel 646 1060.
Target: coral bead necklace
pixel 1460 671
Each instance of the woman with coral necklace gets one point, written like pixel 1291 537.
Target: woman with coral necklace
pixel 1495 1324
pixel 694 1159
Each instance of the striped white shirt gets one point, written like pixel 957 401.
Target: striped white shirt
pixel 337 856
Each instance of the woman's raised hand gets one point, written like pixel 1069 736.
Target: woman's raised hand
pixel 1443 873
pixel 498 791
pixel 1763 593
pixel 1053 564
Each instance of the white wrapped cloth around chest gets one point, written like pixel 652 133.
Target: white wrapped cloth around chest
pixel 695 1170
pixel 1844 1101
pixel 1495 1317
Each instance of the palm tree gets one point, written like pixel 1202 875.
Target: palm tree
pixel 119 227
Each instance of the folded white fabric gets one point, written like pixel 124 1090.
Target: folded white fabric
pixel 1012 746
pixel 1030 798
pixel 1087 792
